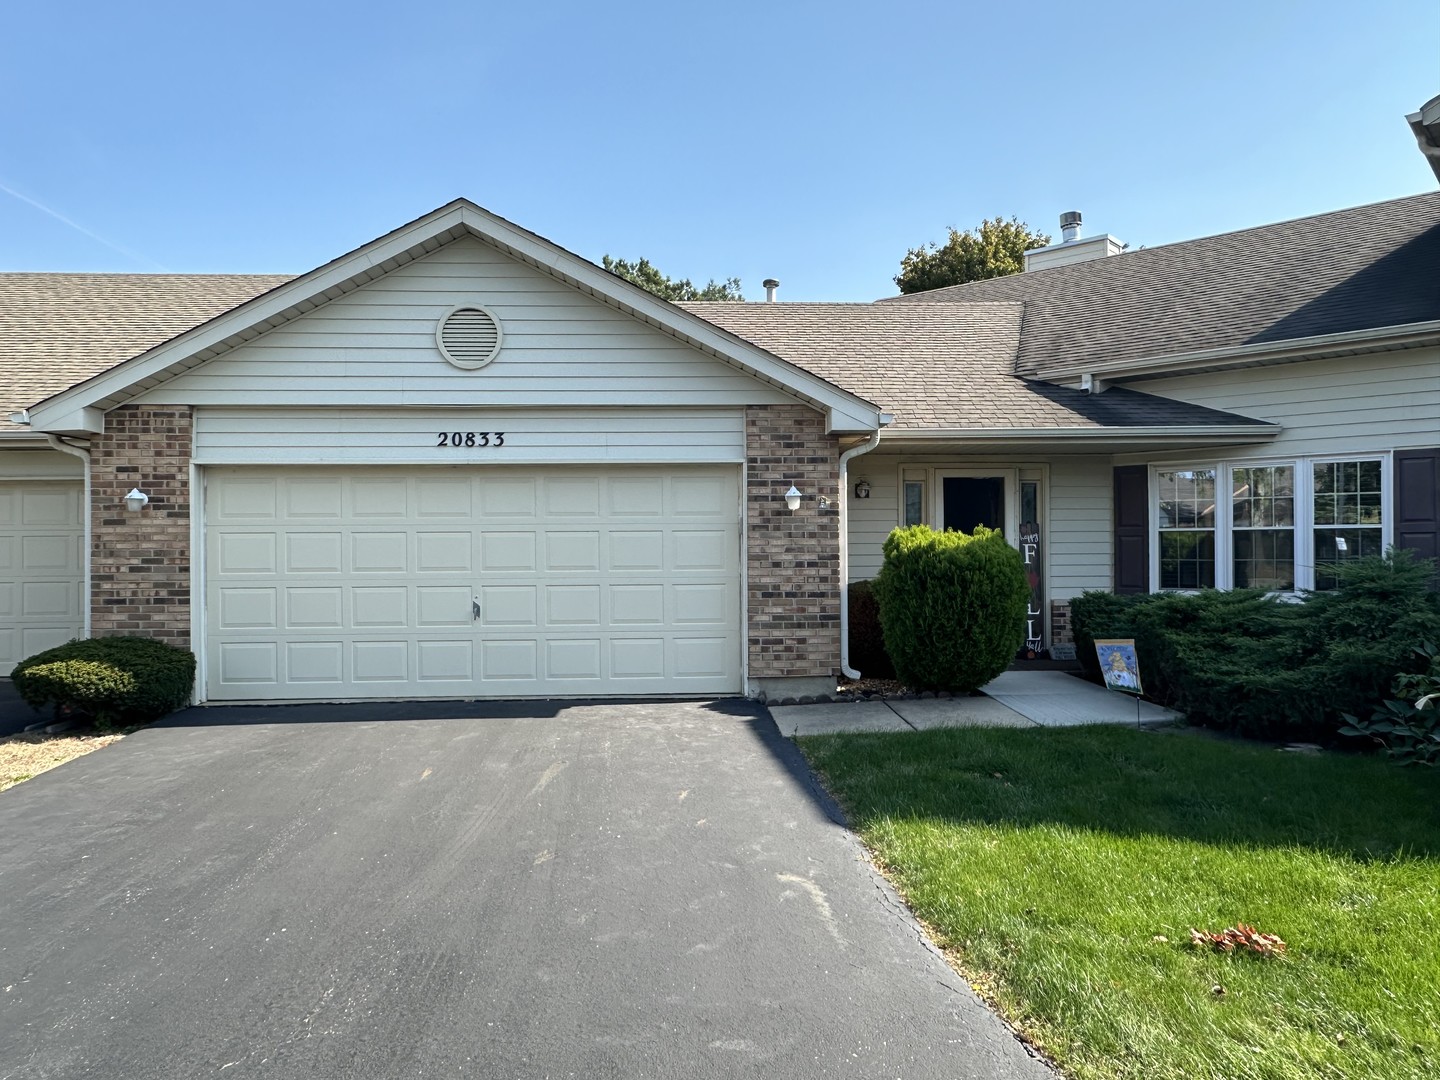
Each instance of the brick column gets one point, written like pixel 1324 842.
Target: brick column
pixel 1060 630
pixel 140 561
pixel 793 556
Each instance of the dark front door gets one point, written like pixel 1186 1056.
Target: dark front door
pixel 973 500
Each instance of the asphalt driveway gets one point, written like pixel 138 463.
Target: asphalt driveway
pixel 649 890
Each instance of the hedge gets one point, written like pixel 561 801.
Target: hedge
pixel 867 639
pixel 113 680
pixel 1266 665
pixel 952 606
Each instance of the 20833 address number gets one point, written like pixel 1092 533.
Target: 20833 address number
pixel 469 439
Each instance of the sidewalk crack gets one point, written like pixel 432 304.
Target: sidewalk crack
pixel 896 711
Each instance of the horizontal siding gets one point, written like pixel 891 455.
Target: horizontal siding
pixel 40 465
pixel 872 519
pixel 235 436
pixel 376 346
pixel 1080 525
pixel 1344 405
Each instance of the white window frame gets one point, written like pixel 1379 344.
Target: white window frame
pixel 1304 515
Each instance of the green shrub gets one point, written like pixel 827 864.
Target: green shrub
pixel 1407 726
pixel 1270 666
pixel 113 680
pixel 1103 615
pixel 867 640
pixel 952 606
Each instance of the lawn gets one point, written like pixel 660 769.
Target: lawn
pixel 25 756
pixel 1062 872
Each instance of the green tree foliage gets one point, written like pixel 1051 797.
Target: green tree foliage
pixel 994 248
pixel 952 606
pixel 643 273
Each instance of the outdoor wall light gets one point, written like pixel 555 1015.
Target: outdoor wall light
pixel 823 501
pixel 862 489
pixel 793 497
pixel 136 500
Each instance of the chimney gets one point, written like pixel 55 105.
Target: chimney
pixel 771 284
pixel 1072 249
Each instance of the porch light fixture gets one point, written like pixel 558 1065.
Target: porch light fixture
pixel 136 500
pixel 862 489
pixel 793 497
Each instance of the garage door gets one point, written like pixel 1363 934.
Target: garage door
pixel 349 583
pixel 40 573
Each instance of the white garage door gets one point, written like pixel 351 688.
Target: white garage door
pixel 445 582
pixel 40 573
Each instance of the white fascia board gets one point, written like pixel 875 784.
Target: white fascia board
pixel 845 411
pixel 1407 336
pixel 1242 432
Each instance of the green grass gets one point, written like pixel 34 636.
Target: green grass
pixel 1050 864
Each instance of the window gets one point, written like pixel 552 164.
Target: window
pixel 1274 525
pixel 1187 529
pixel 1347 515
pixel 914 502
pixel 1263 517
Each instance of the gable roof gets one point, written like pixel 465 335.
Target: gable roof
pixel 59 329
pixel 1347 272
pixel 948 367
pixel 81 407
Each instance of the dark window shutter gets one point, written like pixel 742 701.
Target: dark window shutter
pixel 1132 529
pixel 1417 501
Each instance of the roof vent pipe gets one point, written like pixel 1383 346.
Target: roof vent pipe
pixel 1070 225
pixel 771 284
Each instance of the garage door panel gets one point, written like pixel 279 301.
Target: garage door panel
pixel 572 597
pixel 40 568
pixel 315 608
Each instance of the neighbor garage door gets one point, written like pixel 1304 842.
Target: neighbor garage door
pixel 40 574
pixel 442 582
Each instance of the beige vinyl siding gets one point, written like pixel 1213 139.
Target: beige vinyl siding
pixel 234 436
pixel 1345 405
pixel 39 465
pixel 1081 525
pixel 376 346
pixel 872 519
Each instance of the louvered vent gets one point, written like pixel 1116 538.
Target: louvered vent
pixel 469 337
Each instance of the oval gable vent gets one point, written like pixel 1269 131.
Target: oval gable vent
pixel 469 337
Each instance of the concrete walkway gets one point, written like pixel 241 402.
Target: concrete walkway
pixel 1023 699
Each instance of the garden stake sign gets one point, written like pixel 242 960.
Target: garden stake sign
pixel 1120 667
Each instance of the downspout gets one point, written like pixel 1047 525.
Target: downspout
pixel 853 452
pixel 84 455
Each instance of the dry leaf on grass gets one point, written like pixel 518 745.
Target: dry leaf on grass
pixel 1238 937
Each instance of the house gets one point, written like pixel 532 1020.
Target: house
pixel 461 461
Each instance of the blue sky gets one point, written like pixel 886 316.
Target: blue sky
pixel 814 142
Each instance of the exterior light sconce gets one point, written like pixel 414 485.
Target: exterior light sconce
pixel 862 489
pixel 136 500
pixel 823 501
pixel 793 497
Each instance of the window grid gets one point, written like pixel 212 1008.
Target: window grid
pixel 1187 528
pixel 1263 526
pixel 1347 515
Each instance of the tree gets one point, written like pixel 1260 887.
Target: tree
pixel 993 249
pixel 645 275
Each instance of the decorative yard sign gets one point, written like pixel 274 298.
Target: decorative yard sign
pixel 1119 664
pixel 1034 624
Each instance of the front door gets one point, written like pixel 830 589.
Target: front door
pixel 978 497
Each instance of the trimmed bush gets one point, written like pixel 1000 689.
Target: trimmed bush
pixel 952 606
pixel 1270 666
pixel 113 680
pixel 867 640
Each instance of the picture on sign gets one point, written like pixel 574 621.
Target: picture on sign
pixel 1119 665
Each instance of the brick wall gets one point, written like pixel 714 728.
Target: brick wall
pixel 794 556
pixel 1060 631
pixel 140 562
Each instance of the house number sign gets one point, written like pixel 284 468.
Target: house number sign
pixel 469 439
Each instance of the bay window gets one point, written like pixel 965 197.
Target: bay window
pixel 1274 525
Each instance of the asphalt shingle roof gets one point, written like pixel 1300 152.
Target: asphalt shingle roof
pixel 59 329
pixel 940 366
pixel 1357 269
